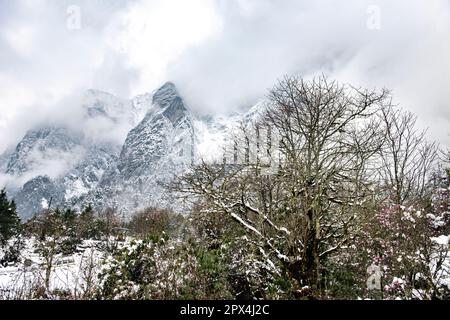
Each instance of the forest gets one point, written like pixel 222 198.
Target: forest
pixel 334 193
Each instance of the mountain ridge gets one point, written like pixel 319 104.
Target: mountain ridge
pixel 164 139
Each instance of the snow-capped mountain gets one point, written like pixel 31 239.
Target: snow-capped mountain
pixel 59 166
pixel 158 148
pixel 42 149
pixel 4 159
pixel 100 105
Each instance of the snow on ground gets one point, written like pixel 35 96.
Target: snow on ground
pixel 69 273
pixel 442 240
pixel 75 272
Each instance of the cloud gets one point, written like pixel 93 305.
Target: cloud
pixel 50 50
pixel 53 163
pixel 41 62
pixel 401 45
pixel 223 54
pixel 153 34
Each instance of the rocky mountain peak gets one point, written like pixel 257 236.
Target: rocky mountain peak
pixel 168 99
pixel 39 145
pixel 166 95
pixel 71 168
pixel 175 111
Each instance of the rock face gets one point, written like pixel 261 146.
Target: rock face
pixel 158 148
pixel 40 149
pixel 165 134
pixel 37 194
pixel 58 166
pixel 4 159
pixel 55 163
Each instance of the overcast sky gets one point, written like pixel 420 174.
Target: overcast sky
pixel 222 54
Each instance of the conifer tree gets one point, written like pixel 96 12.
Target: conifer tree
pixel 9 221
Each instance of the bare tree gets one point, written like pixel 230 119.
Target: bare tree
pixel 303 213
pixel 407 158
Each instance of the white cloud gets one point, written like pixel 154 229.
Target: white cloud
pixel 122 47
pixel 223 54
pixel 152 34
pixel 263 40
pixel 51 162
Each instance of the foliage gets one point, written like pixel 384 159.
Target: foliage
pixel 153 222
pixel 353 204
pixel 148 269
pixel 9 220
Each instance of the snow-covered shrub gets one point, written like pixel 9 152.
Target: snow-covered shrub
pixel 153 222
pixel 399 241
pixel 148 269
pixel 10 253
pixel 231 262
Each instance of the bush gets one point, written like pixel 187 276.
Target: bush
pixel 11 252
pixel 149 269
pixel 154 222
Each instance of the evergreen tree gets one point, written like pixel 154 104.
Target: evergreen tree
pixel 69 218
pixel 9 221
pixel 87 224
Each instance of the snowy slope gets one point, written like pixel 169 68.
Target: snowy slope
pixel 59 165
pixel 66 167
pixel 161 146
pixel 69 273
pixel 4 158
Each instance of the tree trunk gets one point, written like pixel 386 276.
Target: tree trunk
pixel 311 262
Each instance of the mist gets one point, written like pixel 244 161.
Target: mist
pixel 223 55
pixel 400 45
